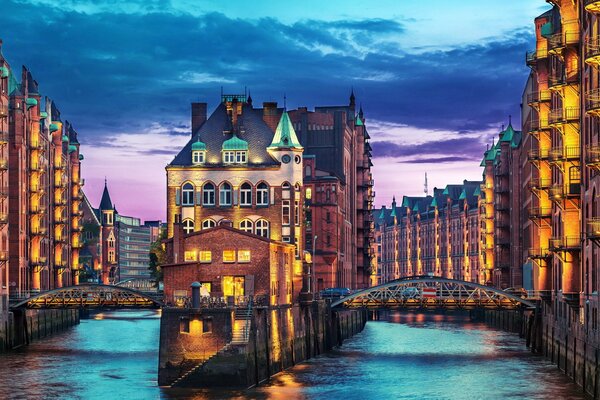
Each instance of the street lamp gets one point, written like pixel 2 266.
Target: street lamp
pixel 313 264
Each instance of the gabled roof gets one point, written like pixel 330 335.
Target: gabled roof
pixel 285 135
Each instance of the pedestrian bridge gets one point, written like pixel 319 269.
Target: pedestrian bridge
pixel 89 295
pixel 434 293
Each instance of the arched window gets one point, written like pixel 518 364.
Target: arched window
pixel 188 226
pixel 208 194
pixel 262 228
pixel 225 195
pixel 262 194
pixel 246 194
pixel 187 194
pixel 208 223
pixel 285 186
pixel 247 226
pixel 308 171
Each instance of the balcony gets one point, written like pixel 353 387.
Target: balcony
pixel 566 243
pixel 555 43
pixel 538 154
pixel 3 111
pixel 36 167
pixel 536 125
pixel 60 165
pixel 36 146
pixel 536 253
pixel 539 212
pixel 59 184
pixel 3 137
pixel 532 57
pixel 38 231
pixel 60 221
pixel 3 164
pixel 539 183
pixel 538 96
pixel 592 6
pixel 77 228
pixel 568 153
pixel 77 245
pixel 592 156
pixel 560 116
pixel 78 213
pixel 3 256
pixel 559 192
pixel 39 261
pixel 592 230
pixel 3 218
pixel 36 209
pixel 592 51
pixel 592 102
pixel 60 202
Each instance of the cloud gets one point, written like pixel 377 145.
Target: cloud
pixel 430 160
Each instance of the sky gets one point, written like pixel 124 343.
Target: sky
pixel 436 79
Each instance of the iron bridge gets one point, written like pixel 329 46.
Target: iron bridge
pixel 433 292
pixel 90 295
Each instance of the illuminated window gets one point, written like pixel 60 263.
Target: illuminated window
pixel 198 157
pixel 111 256
pixel 240 157
pixel 297 212
pixel 188 226
pixel 187 192
pixel 208 194
pixel 228 256
pixel 189 256
pixel 308 193
pixel 246 195
pixel 262 194
pixel 225 195
pixel 247 226
pixel 244 256
pixel 205 256
pixel 208 223
pixel 111 242
pixel 262 228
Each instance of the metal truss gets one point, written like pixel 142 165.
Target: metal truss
pixel 90 296
pixel 449 294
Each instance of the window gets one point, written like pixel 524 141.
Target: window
pixel 308 193
pixel 262 194
pixel 285 212
pixel 205 256
pixel 111 256
pixel 111 242
pixel 188 195
pixel 188 226
pixel 244 256
pixel 184 325
pixel 108 217
pixel 262 227
pixel 189 256
pixel 246 195
pixel 207 325
pixel 228 157
pixel 297 212
pixel 208 223
pixel 197 157
pixel 225 195
pixel 228 256
pixel 240 157
pixel 247 226
pixel 208 194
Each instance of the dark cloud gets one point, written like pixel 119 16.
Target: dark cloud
pixel 466 148
pixel 437 160
pixel 122 72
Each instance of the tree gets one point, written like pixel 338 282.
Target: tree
pixel 158 257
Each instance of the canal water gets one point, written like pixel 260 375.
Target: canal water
pixel 405 356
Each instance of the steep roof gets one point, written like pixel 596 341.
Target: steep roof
pixel 218 129
pixel 106 203
pixel 285 135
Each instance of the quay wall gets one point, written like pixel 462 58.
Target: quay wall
pixel 22 327
pixel 279 338
pixel 557 333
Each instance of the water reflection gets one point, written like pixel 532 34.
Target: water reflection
pixel 401 356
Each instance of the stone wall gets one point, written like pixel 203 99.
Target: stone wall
pixel 26 326
pixel 280 337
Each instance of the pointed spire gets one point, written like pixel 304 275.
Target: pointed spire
pixel 284 102
pixel 352 98
pixel 106 202
pixel 249 99
pixel 285 135
pixel 509 120
pixel 360 112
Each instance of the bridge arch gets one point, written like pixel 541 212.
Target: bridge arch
pixel 90 295
pixel 439 292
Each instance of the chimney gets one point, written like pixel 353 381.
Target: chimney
pixel 234 112
pixel 178 243
pixel 198 116
pixel 270 114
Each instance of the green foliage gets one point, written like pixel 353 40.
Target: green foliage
pixel 158 257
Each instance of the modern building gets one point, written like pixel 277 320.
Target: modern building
pixel 40 174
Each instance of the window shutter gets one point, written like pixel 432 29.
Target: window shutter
pixel 272 195
pixel 235 197
pixel 177 196
pixel 199 197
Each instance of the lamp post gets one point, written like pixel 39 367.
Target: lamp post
pixel 311 281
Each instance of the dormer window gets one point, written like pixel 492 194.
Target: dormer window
pixel 228 157
pixel 198 157
pixel 240 157
pixel 235 151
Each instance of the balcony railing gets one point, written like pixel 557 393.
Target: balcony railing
pixel 536 125
pixel 539 183
pixel 537 253
pixel 60 202
pixel 565 243
pixel 592 156
pixel 592 6
pixel 566 153
pixel 592 102
pixel 593 228
pixel 532 57
pixel 537 154
pixel 592 51
pixel 539 212
pixel 38 261
pixel 560 116
pixel 38 230
pixel 538 96
pixel 555 42
pixel 60 165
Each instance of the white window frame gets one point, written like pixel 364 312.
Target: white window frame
pixel 188 226
pixel 246 194
pixel 225 195
pixel 241 157
pixel 210 192
pixel 262 194
pixel 261 228
pixel 286 212
pixel 198 157
pixel 209 223
pixel 187 194
pixel 228 157
pixel 247 225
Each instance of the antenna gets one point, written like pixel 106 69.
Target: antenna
pixel 426 187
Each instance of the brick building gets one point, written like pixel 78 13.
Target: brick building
pixel 230 263
pixel 40 172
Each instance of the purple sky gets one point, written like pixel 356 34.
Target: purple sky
pixel 436 79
